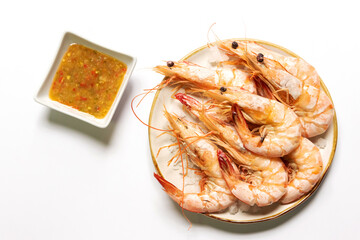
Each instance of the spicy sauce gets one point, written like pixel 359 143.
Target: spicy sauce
pixel 87 80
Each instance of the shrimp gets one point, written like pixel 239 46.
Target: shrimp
pixel 262 183
pixel 280 131
pixel 317 121
pixel 282 72
pixel 255 168
pixel 249 50
pixel 215 195
pixel 305 167
pixel 292 75
pixel 213 120
pixel 207 78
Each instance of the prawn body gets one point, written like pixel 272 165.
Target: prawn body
pixel 294 82
pixel 317 121
pixel 263 180
pixel 212 198
pixel 264 186
pixel 282 72
pixel 281 129
pixel 203 77
pixel 305 167
pixel 215 195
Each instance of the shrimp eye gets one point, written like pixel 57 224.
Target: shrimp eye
pixel 234 113
pixel 260 57
pixel 170 63
pixel 234 45
pixel 223 89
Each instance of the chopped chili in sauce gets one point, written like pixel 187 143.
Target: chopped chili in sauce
pixel 87 80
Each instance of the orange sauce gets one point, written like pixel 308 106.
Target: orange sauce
pixel 87 80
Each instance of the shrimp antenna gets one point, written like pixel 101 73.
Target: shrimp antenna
pixel 208 35
pixel 133 110
pixel 244 25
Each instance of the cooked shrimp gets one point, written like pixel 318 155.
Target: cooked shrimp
pixel 280 131
pixel 318 120
pixel 215 195
pixel 207 78
pixel 212 198
pixel 305 168
pixel 292 75
pixel 249 51
pixel 262 183
pixel 213 119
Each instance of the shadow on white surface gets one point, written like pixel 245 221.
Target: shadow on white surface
pixel 103 135
pixel 198 219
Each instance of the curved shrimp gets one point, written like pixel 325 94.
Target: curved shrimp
pixel 262 184
pixel 255 169
pixel 305 167
pixel 207 78
pixel 298 78
pixel 281 129
pixel 215 195
pixel 317 121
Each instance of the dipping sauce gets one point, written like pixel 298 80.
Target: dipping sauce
pixel 87 80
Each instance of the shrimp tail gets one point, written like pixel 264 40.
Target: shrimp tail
pixel 169 188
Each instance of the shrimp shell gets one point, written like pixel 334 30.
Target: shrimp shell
pixel 306 164
pixel 213 120
pixel 270 171
pixel 281 125
pixel 293 74
pixel 207 78
pixel 215 195
pixel 266 187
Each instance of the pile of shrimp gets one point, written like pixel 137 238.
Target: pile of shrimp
pixel 251 118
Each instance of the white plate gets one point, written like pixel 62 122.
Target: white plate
pixel 42 95
pixel 172 173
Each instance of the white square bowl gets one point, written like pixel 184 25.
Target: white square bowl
pixel 42 95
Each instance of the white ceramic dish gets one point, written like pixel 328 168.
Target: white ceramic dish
pixel 42 95
pixel 172 172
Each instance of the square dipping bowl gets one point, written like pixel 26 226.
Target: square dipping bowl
pixel 42 95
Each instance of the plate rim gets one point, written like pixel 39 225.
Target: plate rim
pixel 302 199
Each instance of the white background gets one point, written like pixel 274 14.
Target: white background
pixel 61 178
